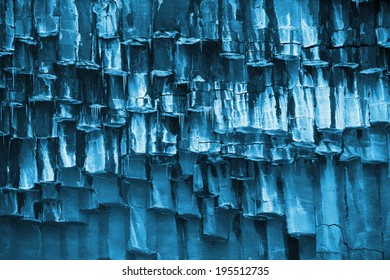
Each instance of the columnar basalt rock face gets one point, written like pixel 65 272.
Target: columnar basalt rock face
pixel 194 129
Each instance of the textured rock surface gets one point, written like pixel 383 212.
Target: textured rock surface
pixel 194 129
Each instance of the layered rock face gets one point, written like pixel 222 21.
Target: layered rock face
pixel 194 129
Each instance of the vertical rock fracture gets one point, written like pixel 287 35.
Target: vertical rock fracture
pixel 194 129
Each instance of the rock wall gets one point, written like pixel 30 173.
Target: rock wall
pixel 194 129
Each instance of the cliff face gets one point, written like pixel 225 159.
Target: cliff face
pixel 195 129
